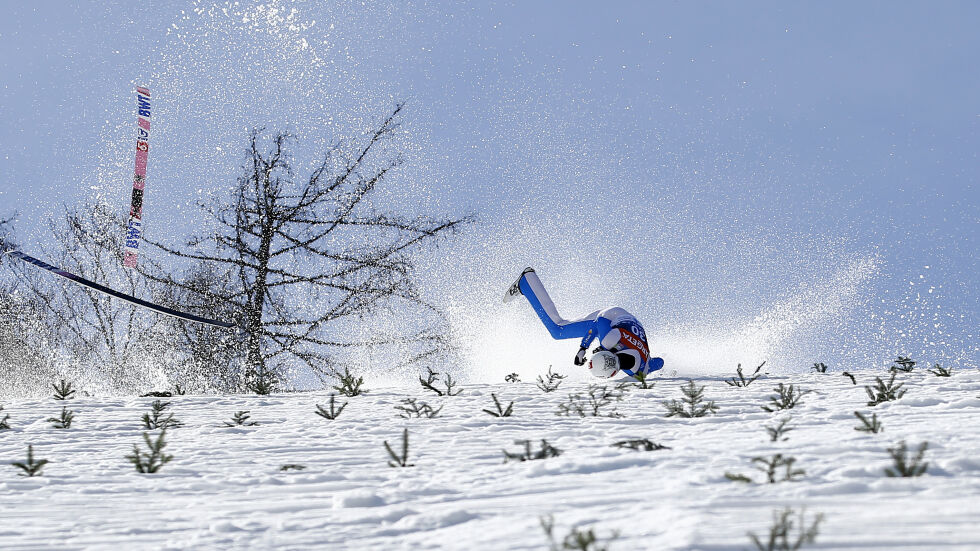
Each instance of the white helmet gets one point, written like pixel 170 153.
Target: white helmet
pixel 604 364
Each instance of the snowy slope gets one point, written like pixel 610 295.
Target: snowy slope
pixel 224 488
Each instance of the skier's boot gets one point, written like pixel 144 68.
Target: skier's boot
pixel 515 289
pixel 655 364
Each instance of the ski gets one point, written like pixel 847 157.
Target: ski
pixel 134 230
pixel 113 293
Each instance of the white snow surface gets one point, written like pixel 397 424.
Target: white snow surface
pixel 224 488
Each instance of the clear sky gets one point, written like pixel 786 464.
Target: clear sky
pixel 792 181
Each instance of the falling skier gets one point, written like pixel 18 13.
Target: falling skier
pixel 622 340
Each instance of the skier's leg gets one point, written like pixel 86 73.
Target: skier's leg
pixel 559 327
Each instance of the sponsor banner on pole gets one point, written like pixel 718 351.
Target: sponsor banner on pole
pixel 134 230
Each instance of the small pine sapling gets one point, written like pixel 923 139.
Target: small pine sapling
pixel 884 392
pixel 904 467
pixel 240 419
pixel 501 411
pixel 32 467
pixel 693 397
pixel 396 459
pixel 152 460
pixel 432 376
pixel 741 381
pixel 291 467
pixel 331 413
pixel 576 540
pixel 179 390
pixel 786 397
pixel 640 444
pixel 551 382
pixel 776 433
pixel 905 365
pixel 770 466
pixel 643 381
pixel 156 420
pixel 546 451
pixel 780 533
pixel 599 398
pixel 262 380
pixel 940 371
pixel 414 408
pixel 819 367
pixel 868 425
pixel 64 421
pixel 350 384
pixel 851 377
pixel 63 390
pixel 513 378
pixel 4 425
pixel 428 382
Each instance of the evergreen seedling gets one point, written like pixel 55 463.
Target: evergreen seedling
pixel 261 381
pixel 414 408
pixel 179 390
pixel 884 392
pixel 599 397
pixel 851 377
pixel 776 433
pixel 513 378
pixel 905 365
pixel 291 467
pixel 551 382
pixel 240 419
pixel 399 460
pixel 640 444
pixel 868 425
pixel 331 413
pixel 577 540
pixel 154 458
pixel 643 381
pixel 3 421
pixel 546 451
pixel 156 420
pixel 780 533
pixel 741 381
pixel 350 385
pixel 431 377
pixel 771 465
pixel 501 412
pixel 819 367
pixel 64 421
pixel 940 371
pixel 693 397
pixel 786 398
pixel 31 467
pixel 903 466
pixel 63 390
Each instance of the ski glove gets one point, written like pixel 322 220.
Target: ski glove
pixel 580 357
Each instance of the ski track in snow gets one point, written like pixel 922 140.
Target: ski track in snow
pixel 224 488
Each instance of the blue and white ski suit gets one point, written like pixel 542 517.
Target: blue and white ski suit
pixel 617 330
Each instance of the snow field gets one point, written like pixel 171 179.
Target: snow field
pixel 224 488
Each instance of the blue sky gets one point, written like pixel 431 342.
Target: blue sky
pixel 749 178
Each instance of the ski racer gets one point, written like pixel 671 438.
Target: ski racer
pixel 622 340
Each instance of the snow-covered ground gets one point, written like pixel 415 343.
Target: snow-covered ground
pixel 224 488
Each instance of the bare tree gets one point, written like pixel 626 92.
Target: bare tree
pixel 312 253
pixel 110 339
